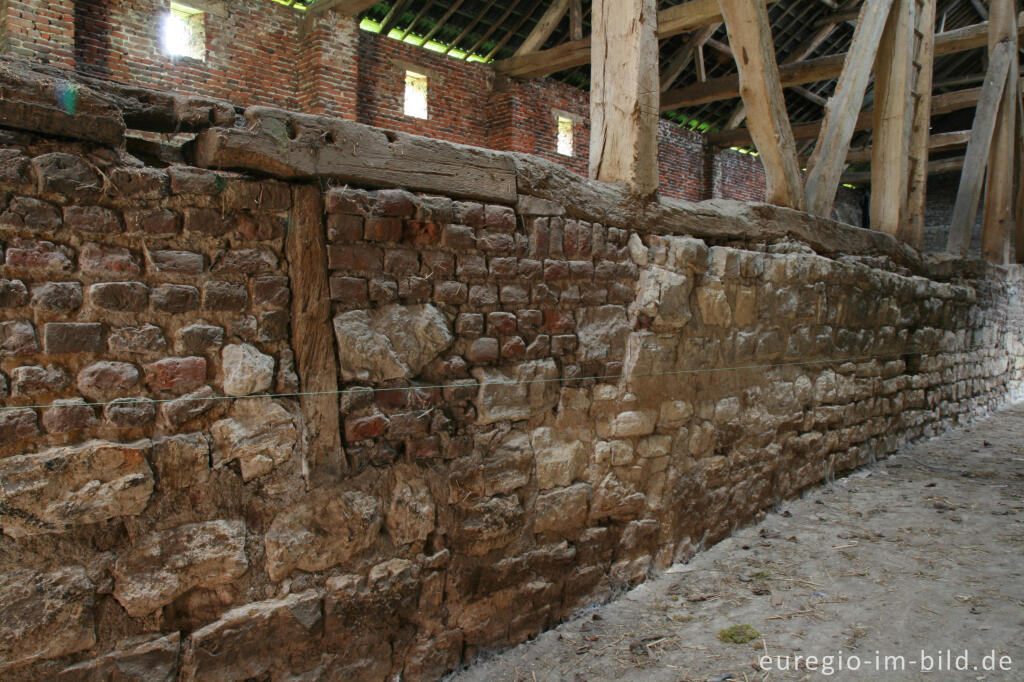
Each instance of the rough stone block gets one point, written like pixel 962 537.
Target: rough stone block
pixel 39 255
pixel 174 298
pixel 17 424
pixel 32 379
pixel 45 614
pixel 95 259
pixel 176 375
pixel 258 432
pixel 18 337
pixel 68 414
pixel 390 343
pixel 246 370
pixel 633 423
pixel 59 488
pixel 189 406
pixel 169 563
pixel 516 393
pixel 130 413
pixel 271 291
pixel 14 293
pixel 177 262
pixel 153 222
pixel 156 659
pixel 137 340
pixel 106 380
pixel 181 461
pixel 559 462
pixel 562 512
pixel 92 219
pixel 198 337
pixel 66 174
pixel 245 261
pixel 119 296
pixel 57 296
pixel 225 296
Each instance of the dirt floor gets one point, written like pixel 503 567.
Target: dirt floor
pixel 923 552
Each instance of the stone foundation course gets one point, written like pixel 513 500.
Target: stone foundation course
pixel 268 421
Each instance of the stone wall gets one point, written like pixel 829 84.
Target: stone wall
pixel 542 400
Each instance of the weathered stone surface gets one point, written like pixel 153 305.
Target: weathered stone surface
pixel 616 500
pixel 559 463
pixel 66 174
pixel 246 370
pixel 391 343
pixel 13 293
pixel 516 393
pixel 562 512
pixel 633 423
pixel 199 337
pixel 44 614
pixel 106 380
pixel 182 460
pixel 17 337
pixel 56 296
pixel 172 562
pixel 176 375
pixel 263 640
pixel 259 433
pixel 410 515
pixel 602 332
pixel 68 414
pixel 326 529
pixel 129 413
pixel 58 488
pixel 17 425
pixel 152 660
pixel 189 406
pixel 147 338
pixel 488 524
pixel 33 379
pixel 664 297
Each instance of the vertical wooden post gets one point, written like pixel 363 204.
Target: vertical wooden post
pixel 750 36
pixel 1018 225
pixel 891 144
pixel 313 334
pixel 912 228
pixel 999 196
pixel 624 94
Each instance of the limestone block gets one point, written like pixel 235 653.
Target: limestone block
pixel 410 515
pixel 44 614
pixel 153 660
pixel 637 250
pixel 264 640
pixel 633 423
pixel 327 528
pixel 562 512
pixel 488 524
pixel 616 500
pixel 648 356
pixel 703 440
pixel 246 370
pixel 58 488
pixel 558 462
pixel 654 446
pixel 517 392
pixel 602 333
pixel 259 433
pixel 509 466
pixel 664 296
pixel 106 380
pixel 181 461
pixel 169 563
pixel 675 413
pixel 745 313
pixel 714 306
pixel 394 342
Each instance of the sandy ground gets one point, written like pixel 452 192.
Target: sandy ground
pixel 925 551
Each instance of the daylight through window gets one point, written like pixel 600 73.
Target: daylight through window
pixel 184 32
pixel 415 94
pixel 564 136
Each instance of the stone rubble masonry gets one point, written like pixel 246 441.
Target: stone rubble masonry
pixel 527 423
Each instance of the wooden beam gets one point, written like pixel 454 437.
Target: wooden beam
pixel 624 94
pixel 941 104
pixel 842 108
pixel 442 21
pixel 939 142
pixel 750 34
pixel 1018 226
pixel 545 27
pixel 997 221
pixel 682 58
pixel 576 20
pixel 934 168
pixel 671 22
pixel 811 70
pixel 348 8
pixel 891 141
pixel 912 229
pixel 965 210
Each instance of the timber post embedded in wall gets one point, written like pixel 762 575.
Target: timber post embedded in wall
pixel 317 366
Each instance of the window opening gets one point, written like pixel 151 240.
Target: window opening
pixel 565 146
pixel 184 32
pixel 415 94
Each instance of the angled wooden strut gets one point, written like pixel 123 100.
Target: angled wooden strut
pixel 751 39
pixel 997 221
pixel 545 27
pixel 843 107
pixel 965 210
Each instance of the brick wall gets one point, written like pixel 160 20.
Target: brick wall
pixel 261 53
pixel 528 420
pixel 252 54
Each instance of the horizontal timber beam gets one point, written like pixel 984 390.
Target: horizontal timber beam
pixel 348 8
pixel 934 168
pixel 812 70
pixel 941 104
pixel 939 142
pixel 671 21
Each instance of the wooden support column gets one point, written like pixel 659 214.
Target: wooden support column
pixel 965 210
pixel 912 228
pixel 624 94
pixel 843 107
pixel 313 335
pixel 750 36
pixel 997 222
pixel 1018 225
pixel 891 145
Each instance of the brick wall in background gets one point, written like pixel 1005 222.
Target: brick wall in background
pixel 251 57
pixel 40 30
pixel 260 52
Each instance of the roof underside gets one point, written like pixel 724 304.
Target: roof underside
pixel 486 30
